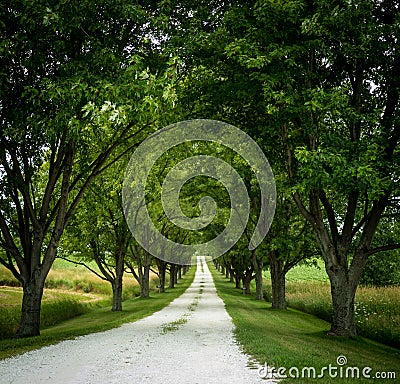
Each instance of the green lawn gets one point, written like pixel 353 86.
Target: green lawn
pixel 295 339
pixel 377 309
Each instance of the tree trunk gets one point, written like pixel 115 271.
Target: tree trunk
pixel 231 276
pixel 237 281
pixel 258 264
pixel 117 281
pixel 145 277
pixel 31 302
pixel 246 283
pixel 145 286
pixel 278 281
pixel 180 272
pixel 172 275
pixel 343 294
pixel 117 294
pixel 162 268
pixel 278 290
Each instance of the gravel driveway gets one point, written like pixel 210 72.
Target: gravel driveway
pixel 188 342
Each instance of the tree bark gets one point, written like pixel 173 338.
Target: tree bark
pixel 31 303
pixel 237 281
pixel 145 277
pixel 248 276
pixel 119 273
pixel 162 268
pixel 231 276
pixel 258 264
pixel 172 275
pixel 117 294
pixel 343 322
pixel 278 281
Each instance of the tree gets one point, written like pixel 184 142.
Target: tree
pixel 288 243
pixel 73 90
pixel 98 232
pixel 139 264
pixel 331 81
pixel 328 76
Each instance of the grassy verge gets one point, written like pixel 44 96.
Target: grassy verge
pixel 57 306
pixel 98 318
pixel 377 309
pixel 295 339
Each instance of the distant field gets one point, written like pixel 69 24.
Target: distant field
pixel 306 273
pixel 68 276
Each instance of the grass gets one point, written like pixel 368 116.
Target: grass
pixel 57 306
pixel 377 309
pixel 68 276
pixel 97 318
pixel 293 338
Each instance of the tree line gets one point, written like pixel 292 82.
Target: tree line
pixel 315 83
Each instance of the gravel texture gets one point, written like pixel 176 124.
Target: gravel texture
pixel 188 342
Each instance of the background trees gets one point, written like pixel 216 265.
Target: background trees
pixel 320 81
pixel 315 83
pixel 332 90
pixel 74 88
pixel 98 232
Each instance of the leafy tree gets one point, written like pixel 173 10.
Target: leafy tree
pixel 325 77
pixel 74 88
pixel 331 83
pixel 98 232
pixel 289 242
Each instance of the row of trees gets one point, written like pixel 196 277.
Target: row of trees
pixel 315 83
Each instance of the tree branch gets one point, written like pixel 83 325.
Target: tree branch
pixel 289 168
pixel 83 264
pixel 387 247
pixel 331 216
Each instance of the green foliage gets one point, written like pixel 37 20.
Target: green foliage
pixel 382 270
pixel 77 89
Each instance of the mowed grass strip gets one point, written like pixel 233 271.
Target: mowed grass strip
pixel 97 319
pixel 295 339
pixel 377 309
